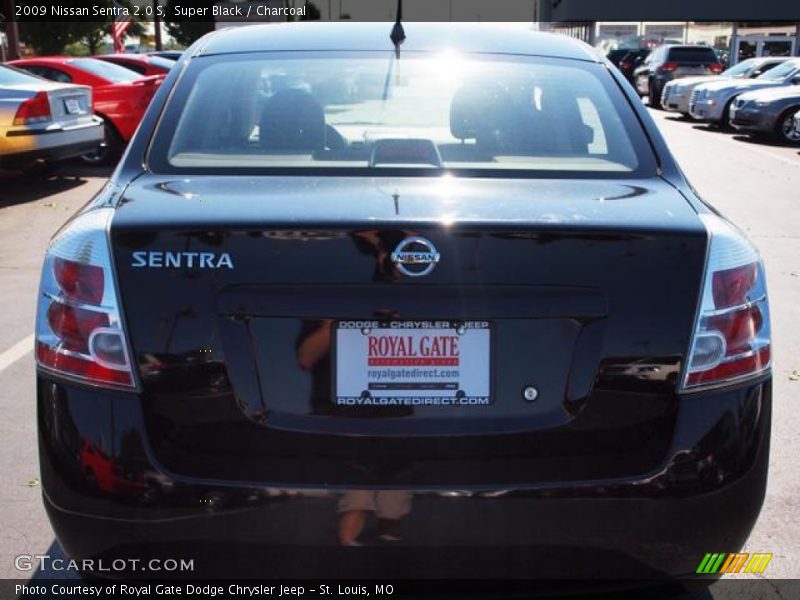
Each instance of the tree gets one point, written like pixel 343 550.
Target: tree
pixel 95 37
pixel 48 37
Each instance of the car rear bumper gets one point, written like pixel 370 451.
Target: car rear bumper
pixel 705 497
pixel 51 143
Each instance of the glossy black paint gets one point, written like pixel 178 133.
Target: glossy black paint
pixel 704 492
pixel 230 446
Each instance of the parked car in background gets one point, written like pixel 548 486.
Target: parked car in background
pixel 711 102
pixel 168 54
pixel 616 55
pixel 669 62
pixel 796 124
pixel 120 96
pixel 140 63
pixel 677 93
pixel 768 112
pixel 631 60
pixel 43 122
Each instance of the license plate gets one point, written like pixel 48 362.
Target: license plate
pixel 72 106
pixel 412 363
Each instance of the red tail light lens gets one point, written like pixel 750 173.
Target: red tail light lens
pixel 668 66
pixel 80 282
pixel 79 331
pixel 732 338
pixel 730 287
pixel 715 68
pixel 34 110
pixel 74 325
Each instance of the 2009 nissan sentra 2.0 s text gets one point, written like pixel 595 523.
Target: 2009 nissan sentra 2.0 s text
pixel 443 309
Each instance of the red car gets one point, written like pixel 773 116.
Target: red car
pixel 121 96
pixel 141 63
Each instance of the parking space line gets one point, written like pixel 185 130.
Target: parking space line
pixel 17 351
pixel 773 155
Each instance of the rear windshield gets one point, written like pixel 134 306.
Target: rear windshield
pixel 160 61
pixel 370 111
pixel 692 55
pixel 106 70
pixel 9 76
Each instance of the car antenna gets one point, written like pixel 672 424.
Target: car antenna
pixel 398 36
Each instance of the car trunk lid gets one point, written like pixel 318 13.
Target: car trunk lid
pixel 587 288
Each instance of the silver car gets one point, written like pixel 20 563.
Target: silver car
pixel 676 93
pixel 768 112
pixel 711 102
pixel 42 121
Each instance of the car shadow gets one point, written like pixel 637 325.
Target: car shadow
pixel 22 188
pixel 763 140
pixel 710 127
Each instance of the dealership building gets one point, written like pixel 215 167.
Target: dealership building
pixel 739 40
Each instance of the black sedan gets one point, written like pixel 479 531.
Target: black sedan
pixel 444 308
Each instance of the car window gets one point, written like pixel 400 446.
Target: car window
pixel 741 68
pixel 105 70
pixel 48 73
pixel 763 68
pixel 448 111
pixel 33 70
pixel 160 61
pixel 692 55
pixel 137 68
pixel 781 71
pixel 56 75
pixel 11 76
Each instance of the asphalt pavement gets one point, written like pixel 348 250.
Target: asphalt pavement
pixel 755 184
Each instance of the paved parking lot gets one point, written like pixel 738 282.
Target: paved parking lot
pixel 755 184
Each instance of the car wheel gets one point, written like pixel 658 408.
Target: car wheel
pixel 725 122
pixel 108 151
pixel 784 127
pixel 653 96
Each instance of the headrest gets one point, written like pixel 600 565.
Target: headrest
pixel 478 107
pixel 292 120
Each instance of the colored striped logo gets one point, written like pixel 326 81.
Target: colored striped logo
pixel 738 562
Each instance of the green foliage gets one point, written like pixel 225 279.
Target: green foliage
pixel 48 37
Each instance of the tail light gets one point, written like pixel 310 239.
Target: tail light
pixel 79 330
pixel 715 68
pixel 668 66
pixel 732 336
pixel 34 110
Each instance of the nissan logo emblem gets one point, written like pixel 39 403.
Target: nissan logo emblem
pixel 415 256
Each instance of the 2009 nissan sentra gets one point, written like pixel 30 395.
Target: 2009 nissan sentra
pixel 436 309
